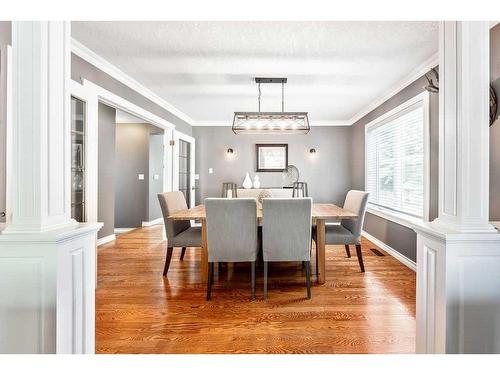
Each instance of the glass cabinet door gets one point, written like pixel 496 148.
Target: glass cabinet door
pixel 78 120
pixel 184 169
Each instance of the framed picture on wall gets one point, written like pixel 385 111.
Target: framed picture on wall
pixel 271 157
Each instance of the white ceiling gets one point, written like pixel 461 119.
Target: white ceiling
pixel 206 69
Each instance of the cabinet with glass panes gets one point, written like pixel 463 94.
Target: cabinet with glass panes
pixel 78 159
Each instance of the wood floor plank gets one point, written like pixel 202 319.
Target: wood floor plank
pixel 140 311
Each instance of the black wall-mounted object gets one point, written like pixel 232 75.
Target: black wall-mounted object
pixel 493 106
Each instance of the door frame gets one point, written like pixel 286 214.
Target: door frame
pixel 192 160
pixel 92 94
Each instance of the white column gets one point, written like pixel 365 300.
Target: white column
pixel 464 126
pixel 39 191
pixel 458 254
pixel 47 260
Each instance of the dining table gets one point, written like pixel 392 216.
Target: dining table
pixel 321 213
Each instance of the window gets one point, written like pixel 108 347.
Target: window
pixel 396 159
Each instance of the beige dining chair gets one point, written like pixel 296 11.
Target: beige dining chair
pixel 348 232
pixel 286 234
pixel 179 233
pixel 231 234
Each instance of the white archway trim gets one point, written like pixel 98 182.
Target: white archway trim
pixel 92 94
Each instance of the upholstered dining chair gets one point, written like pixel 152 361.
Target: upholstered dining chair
pixel 348 232
pixel 179 233
pixel 229 187
pixel 231 234
pixel 286 234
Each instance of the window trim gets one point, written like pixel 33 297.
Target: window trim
pixel 387 213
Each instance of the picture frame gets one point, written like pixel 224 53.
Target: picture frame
pixel 271 157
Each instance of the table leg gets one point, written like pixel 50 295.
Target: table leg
pixel 320 238
pixel 204 253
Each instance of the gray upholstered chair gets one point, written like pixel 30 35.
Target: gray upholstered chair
pixel 231 234
pixel 180 233
pixel 348 232
pixel 286 234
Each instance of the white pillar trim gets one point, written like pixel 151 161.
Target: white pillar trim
pixel 463 127
pixel 39 156
pixel 47 260
pixel 458 254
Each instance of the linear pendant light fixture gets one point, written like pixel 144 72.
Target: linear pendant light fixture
pixel 271 122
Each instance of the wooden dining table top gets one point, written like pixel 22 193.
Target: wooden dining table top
pixel 320 211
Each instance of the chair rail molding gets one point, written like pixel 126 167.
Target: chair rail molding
pixel 47 260
pixel 458 254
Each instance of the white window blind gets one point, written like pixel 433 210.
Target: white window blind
pixel 395 161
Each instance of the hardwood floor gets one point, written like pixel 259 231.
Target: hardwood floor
pixel 139 311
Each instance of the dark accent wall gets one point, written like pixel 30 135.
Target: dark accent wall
pixel 327 173
pixel 398 237
pixel 106 170
pixel 155 167
pixel 83 69
pixel 132 153
pixel 138 151
pixel 495 128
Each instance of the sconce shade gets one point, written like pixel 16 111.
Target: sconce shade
pixel 312 151
pixel 229 151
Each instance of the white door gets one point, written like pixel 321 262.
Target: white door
pixel 184 166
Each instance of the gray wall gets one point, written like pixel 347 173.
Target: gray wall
pixel 136 200
pixel 106 170
pixel 327 174
pixel 495 128
pixel 155 167
pixel 398 237
pixel 132 153
pixel 5 37
pixel 82 69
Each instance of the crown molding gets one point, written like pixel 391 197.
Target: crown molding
pixel 410 78
pixel 99 62
pixel 230 123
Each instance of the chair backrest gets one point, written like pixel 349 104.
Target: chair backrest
pixel 170 203
pixel 286 229
pixel 355 201
pixel 229 186
pixel 300 189
pixel 231 229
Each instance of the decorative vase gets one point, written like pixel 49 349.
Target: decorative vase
pixel 256 182
pixel 247 182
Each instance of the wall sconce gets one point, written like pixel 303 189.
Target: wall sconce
pixel 312 151
pixel 229 151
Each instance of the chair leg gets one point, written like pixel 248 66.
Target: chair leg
pixel 253 279
pixel 183 252
pixel 308 279
pixel 265 280
pixel 170 250
pixel 210 280
pixel 360 258
pixel 348 251
pixel 317 262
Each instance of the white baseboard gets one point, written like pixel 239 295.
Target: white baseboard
pixel 103 240
pixel 400 257
pixel 152 222
pixel 123 230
